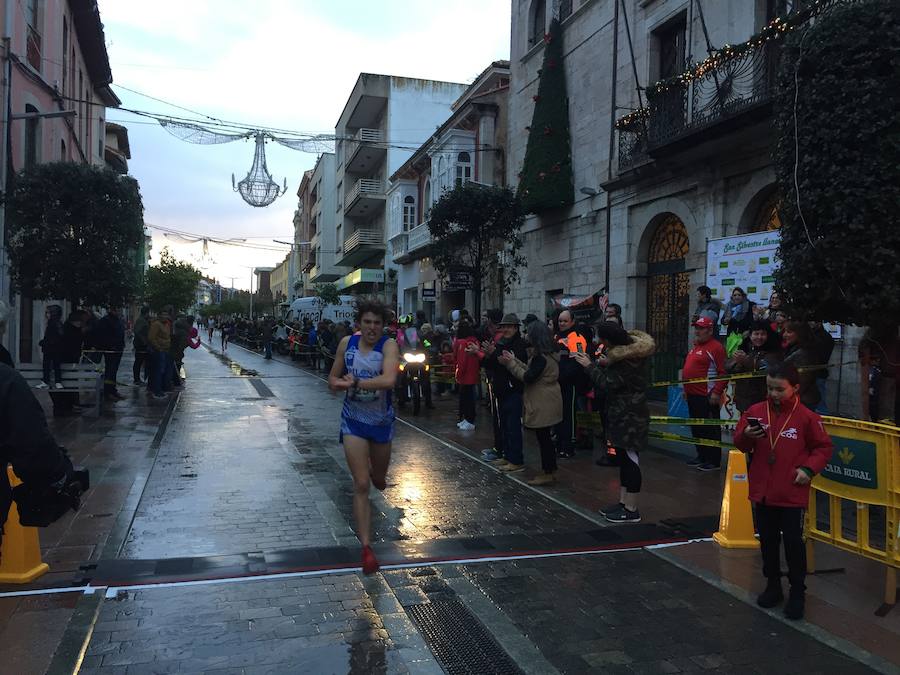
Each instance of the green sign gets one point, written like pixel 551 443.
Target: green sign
pixel 751 289
pixel 763 261
pixel 768 279
pixel 723 264
pixel 728 282
pixel 853 463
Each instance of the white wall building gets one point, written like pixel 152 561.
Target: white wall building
pixel 469 145
pixel 323 248
pixel 383 122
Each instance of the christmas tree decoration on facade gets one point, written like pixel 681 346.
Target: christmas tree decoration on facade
pixel 546 176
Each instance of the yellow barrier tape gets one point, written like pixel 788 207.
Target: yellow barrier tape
pixel 692 421
pixel 728 378
pixel 687 439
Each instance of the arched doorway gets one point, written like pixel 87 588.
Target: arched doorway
pixel 668 298
pixel 769 216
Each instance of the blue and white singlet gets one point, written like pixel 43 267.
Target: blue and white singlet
pixel 367 413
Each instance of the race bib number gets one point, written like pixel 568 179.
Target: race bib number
pixel 363 395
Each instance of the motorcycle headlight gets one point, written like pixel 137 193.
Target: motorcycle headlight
pixel 413 357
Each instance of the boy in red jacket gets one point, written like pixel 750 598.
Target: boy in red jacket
pixel 788 446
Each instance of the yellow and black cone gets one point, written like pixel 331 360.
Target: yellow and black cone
pixel 20 556
pixel 736 520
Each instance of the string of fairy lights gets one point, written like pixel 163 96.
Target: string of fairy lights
pixel 776 29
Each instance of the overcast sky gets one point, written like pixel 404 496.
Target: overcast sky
pixel 289 64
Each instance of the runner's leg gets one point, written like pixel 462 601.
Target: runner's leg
pixel 380 455
pixel 357 452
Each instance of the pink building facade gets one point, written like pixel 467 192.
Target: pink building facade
pixel 55 91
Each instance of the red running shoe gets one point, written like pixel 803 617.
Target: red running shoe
pixel 379 485
pixel 369 561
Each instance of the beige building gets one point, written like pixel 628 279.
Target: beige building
pixel 280 282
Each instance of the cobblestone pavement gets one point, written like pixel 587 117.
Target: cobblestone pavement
pixel 253 465
pixel 241 472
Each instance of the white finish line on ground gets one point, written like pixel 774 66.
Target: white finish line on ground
pixel 112 591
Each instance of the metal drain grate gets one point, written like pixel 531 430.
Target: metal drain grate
pixel 459 640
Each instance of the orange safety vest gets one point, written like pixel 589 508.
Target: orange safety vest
pixel 572 341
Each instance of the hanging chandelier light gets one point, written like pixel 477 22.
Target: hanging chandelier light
pixel 258 188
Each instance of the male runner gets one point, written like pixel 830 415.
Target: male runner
pixel 366 367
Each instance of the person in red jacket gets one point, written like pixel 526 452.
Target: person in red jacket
pixel 788 446
pixel 705 360
pixel 468 366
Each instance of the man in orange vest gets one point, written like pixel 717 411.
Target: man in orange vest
pixel 570 342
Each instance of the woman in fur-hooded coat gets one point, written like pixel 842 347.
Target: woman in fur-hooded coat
pixel 623 376
pixel 624 379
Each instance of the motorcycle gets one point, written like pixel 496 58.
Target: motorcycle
pixel 413 369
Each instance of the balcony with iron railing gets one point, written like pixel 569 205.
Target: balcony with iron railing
pixel 366 151
pixel 722 99
pixel 361 245
pixel 365 198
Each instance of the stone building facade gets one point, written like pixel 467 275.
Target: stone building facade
pixel 651 193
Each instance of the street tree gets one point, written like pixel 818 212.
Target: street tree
pixel 172 282
pixel 74 233
pixel 210 310
pixel 233 306
pixel 328 294
pixel 476 231
pixel 838 166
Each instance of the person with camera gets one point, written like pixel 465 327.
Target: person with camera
pixel 786 445
pixel 570 341
pixel 50 485
pixel 508 390
pixel 623 374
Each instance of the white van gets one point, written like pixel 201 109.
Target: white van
pixel 313 309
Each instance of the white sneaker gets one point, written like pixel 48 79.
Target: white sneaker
pixel 59 385
pixel 42 385
pixel 460 423
pixel 466 426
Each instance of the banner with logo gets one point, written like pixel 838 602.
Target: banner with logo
pixel 746 261
pixel 860 466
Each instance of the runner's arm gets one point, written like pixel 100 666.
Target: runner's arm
pixel 391 367
pixel 335 377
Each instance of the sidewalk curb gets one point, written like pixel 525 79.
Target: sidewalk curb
pixel 838 644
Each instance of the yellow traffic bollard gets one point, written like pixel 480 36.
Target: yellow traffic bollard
pixel 20 556
pixel 736 520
